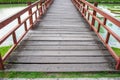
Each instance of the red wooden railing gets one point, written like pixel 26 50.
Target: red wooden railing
pixel 87 9
pixel 41 8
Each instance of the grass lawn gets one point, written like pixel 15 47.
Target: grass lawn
pixel 56 75
pixel 11 5
pixel 10 1
pixel 4 49
pixel 112 1
pixel 117 50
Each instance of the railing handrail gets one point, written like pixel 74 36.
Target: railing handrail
pixel 12 18
pixel 41 8
pixel 83 8
pixel 111 18
pixel 3 23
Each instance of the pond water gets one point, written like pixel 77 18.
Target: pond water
pixel 8 10
pixel 113 10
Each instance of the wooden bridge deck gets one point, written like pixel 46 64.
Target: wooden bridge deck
pixel 61 42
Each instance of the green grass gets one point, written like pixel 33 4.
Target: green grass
pixel 111 1
pixel 117 50
pixel 10 1
pixel 11 5
pixel 113 9
pixel 110 5
pixel 56 75
pixel 4 49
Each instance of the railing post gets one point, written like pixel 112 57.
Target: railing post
pixel 44 6
pixel 25 26
pixel 19 20
pixel 41 12
pixel 38 10
pixel 118 65
pixel 94 14
pixel 14 38
pixel 1 63
pixel 48 4
pixel 83 8
pixel 98 28
pixel 30 14
pixel 108 34
pixel 78 3
pixel 86 11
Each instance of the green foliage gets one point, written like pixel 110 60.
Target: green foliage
pixel 36 0
pixel 111 1
pixel 4 49
pixel 115 9
pixel 117 50
pixel 10 1
pixel 56 75
pixel 11 5
pixel 102 30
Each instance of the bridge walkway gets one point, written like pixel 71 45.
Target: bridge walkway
pixel 61 42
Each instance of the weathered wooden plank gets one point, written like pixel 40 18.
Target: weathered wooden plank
pixel 68 30
pixel 74 29
pixel 60 24
pixel 60 38
pixel 47 60
pixel 62 35
pixel 60 19
pixel 64 17
pixel 61 43
pixel 63 30
pixel 82 24
pixel 60 67
pixel 93 53
pixel 61 27
pixel 59 48
pixel 60 12
pixel 60 32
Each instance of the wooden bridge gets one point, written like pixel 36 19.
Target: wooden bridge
pixel 61 39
